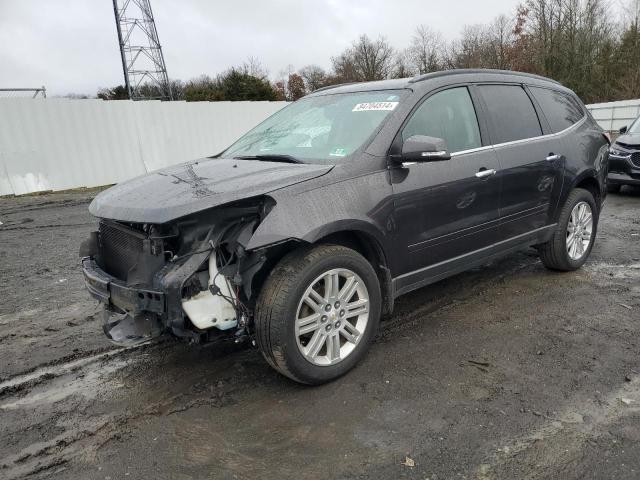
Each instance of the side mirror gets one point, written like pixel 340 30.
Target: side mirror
pixel 420 148
pixel 623 130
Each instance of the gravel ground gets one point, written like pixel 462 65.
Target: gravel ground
pixel 507 371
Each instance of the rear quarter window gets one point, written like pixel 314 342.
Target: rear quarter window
pixel 511 113
pixel 561 110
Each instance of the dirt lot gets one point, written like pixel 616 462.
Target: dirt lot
pixel 508 371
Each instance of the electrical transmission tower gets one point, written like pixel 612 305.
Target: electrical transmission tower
pixel 145 73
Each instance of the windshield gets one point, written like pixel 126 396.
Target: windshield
pixel 320 129
pixel 635 126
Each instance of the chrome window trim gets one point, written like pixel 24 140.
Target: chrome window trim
pixel 516 142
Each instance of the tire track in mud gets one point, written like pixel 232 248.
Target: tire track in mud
pixel 558 444
pixel 10 227
pixel 88 377
pixel 94 380
pixel 479 280
pixel 54 369
pixel 44 205
pixel 70 363
pixel 84 436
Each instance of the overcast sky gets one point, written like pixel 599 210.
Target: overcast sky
pixel 70 46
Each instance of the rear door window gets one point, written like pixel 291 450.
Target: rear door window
pixel 511 112
pixel 560 109
pixel 449 115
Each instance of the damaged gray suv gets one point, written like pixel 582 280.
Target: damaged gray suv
pixel 299 237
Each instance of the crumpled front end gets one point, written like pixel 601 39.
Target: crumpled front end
pixel 191 278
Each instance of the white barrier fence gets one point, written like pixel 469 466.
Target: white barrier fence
pixel 612 116
pixel 58 144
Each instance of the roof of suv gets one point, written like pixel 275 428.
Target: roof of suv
pixel 472 74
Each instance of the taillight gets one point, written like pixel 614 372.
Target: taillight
pixel 607 135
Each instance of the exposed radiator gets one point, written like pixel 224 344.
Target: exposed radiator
pixel 120 248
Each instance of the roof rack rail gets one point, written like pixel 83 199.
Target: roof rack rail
pixel 329 87
pixel 462 71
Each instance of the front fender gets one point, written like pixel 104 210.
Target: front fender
pixel 363 204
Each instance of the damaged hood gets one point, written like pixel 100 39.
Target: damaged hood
pixel 174 192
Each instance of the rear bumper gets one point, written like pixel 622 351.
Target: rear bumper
pixel 112 292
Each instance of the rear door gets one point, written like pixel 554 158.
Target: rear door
pixel 532 163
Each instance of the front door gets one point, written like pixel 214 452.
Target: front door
pixel 446 209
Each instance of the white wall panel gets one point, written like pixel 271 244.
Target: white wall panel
pixel 58 144
pixel 611 116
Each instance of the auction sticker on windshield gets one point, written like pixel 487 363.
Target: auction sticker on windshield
pixel 375 106
pixel 338 152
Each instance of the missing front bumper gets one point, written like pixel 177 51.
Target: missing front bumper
pixel 134 315
pixel 127 329
pixel 131 315
pixel 108 290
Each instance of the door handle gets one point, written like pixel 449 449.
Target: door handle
pixel 552 157
pixel 486 173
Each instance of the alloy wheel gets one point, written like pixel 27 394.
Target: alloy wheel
pixel 579 230
pixel 332 317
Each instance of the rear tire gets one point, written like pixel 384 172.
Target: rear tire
pixel 308 325
pixel 568 249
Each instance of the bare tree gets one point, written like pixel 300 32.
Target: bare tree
pixel 314 77
pixel 500 42
pixel 365 60
pixel 344 67
pixel 403 67
pixel 472 47
pixel 373 59
pixel 425 51
pixel 628 54
pixel 254 67
pixel 632 13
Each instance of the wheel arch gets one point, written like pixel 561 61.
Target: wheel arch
pixel 588 180
pixel 372 250
pixel 356 235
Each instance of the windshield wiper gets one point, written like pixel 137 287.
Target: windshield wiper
pixel 270 158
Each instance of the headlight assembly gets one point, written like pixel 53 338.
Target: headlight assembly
pixel 616 151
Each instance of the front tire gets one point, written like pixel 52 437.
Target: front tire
pixel 317 313
pixel 574 235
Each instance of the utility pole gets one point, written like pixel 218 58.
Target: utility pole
pixel 145 73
